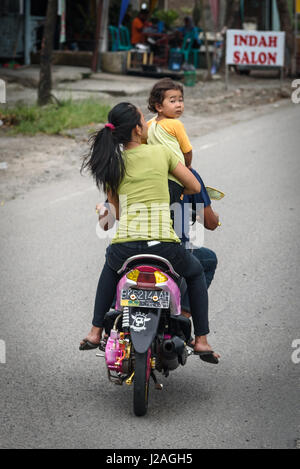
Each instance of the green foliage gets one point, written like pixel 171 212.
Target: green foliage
pixel 167 16
pixel 54 118
pixel 186 11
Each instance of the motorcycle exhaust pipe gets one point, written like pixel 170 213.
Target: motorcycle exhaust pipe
pixel 174 346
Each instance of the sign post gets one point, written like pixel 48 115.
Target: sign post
pixel 254 49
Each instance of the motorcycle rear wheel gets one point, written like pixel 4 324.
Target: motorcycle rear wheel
pixel 141 382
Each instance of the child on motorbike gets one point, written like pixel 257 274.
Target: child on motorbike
pixel 133 173
pixel 167 100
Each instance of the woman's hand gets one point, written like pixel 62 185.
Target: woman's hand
pixel 103 213
pixel 106 215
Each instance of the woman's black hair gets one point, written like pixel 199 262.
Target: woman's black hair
pixel 104 159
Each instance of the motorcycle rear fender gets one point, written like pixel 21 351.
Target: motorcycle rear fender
pixel 170 286
pixel 143 327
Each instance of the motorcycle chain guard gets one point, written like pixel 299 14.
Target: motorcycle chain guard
pixel 143 326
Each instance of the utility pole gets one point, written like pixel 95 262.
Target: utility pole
pixel 45 83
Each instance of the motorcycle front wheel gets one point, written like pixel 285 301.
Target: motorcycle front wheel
pixel 141 382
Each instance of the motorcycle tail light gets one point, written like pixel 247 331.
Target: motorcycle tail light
pixel 133 275
pixel 146 278
pixel 159 277
pixel 149 276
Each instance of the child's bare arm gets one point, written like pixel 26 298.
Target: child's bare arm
pixel 188 159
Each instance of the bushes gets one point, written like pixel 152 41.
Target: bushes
pixel 53 118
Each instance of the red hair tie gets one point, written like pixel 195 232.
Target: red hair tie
pixel 110 126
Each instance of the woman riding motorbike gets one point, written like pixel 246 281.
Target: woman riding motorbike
pixel 137 179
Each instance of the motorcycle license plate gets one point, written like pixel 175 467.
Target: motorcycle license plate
pixel 145 298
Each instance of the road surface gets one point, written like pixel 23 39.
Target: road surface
pixel 53 396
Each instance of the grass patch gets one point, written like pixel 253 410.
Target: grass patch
pixel 53 118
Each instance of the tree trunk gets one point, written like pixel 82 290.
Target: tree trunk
pixel 208 61
pixel 232 17
pixel 45 83
pixel 232 21
pixel 197 13
pixel 287 26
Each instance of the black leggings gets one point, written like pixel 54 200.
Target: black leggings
pixel 183 262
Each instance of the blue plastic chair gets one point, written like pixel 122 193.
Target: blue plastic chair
pixel 195 52
pixel 120 39
pixel 186 46
pixel 124 37
pixel 113 31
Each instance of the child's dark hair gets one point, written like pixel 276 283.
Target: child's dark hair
pixel 104 159
pixel 157 94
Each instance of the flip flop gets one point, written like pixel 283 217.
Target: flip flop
pixel 103 343
pixel 189 343
pixel 207 356
pixel 87 345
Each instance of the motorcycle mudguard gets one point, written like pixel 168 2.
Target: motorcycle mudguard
pixel 143 327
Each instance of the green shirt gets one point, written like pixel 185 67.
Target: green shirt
pixel 144 195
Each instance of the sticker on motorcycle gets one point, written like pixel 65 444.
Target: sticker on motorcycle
pixel 139 320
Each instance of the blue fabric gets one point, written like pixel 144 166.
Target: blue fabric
pixel 123 10
pixel 193 30
pixel 201 198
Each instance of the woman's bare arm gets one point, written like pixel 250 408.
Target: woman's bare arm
pixel 187 179
pixel 114 200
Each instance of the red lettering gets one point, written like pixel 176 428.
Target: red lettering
pixel 252 41
pixel 253 61
pixel 272 58
pixel 245 59
pixel 237 57
pixel 262 42
pixel 243 40
pixel 273 41
pixel 262 58
pixel 236 38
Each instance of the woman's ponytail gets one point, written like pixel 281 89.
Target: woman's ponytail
pixel 104 159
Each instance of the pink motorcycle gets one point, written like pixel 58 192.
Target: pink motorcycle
pixel 146 332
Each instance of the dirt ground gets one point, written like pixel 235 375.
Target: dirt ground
pixel 26 162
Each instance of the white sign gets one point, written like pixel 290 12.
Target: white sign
pixel 2 92
pixel 260 48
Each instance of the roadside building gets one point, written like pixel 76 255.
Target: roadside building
pixel 22 21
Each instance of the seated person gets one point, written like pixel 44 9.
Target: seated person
pixel 210 219
pixel 190 28
pixel 137 27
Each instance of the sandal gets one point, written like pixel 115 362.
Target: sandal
pixel 208 356
pixel 87 345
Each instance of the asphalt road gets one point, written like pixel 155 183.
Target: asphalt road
pixel 53 396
